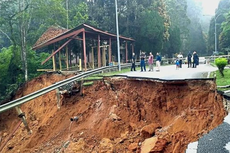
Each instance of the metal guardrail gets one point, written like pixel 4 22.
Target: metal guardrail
pixel 45 90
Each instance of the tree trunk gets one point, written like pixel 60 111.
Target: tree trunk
pixel 23 43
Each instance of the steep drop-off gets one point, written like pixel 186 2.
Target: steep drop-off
pixel 115 115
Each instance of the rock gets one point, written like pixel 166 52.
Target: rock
pixel 4 134
pixel 112 109
pixel 35 123
pixel 10 146
pixel 114 117
pixel 106 146
pixel 133 146
pixel 78 146
pixel 153 144
pixel 132 126
pixel 148 145
pixel 149 130
pixel 124 136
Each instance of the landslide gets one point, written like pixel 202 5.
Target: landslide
pixel 115 115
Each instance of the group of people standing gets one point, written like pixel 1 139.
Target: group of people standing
pixel 193 59
pixel 150 61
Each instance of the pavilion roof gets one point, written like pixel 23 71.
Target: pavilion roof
pixel 50 33
pixel 55 34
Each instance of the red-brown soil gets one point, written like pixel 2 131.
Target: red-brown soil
pixel 116 115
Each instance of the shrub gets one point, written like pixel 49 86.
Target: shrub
pixel 221 63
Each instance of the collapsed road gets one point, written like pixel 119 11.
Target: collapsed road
pixel 118 114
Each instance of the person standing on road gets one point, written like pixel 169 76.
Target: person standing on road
pixel 195 59
pixel 133 62
pixel 180 57
pixel 189 58
pixel 177 64
pixel 143 56
pixel 158 62
pixel 150 61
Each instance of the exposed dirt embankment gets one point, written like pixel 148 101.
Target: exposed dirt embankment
pixel 116 115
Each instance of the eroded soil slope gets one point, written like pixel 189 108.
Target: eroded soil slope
pixel 116 115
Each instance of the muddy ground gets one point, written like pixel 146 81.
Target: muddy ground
pixel 114 116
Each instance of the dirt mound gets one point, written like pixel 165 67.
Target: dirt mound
pixel 115 115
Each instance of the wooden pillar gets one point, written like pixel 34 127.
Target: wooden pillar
pixel 67 58
pixel 80 66
pixel 54 62
pixel 70 58
pixel 126 51
pixel 92 58
pixel 110 51
pixel 84 49
pixel 60 66
pixel 132 47
pixel 98 51
pixel 103 57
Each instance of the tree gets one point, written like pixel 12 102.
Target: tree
pixel 225 35
pixel 151 31
pixel 177 10
pixel 221 63
pixel 217 20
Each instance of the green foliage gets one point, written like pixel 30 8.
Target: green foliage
pixel 34 63
pixel 11 75
pixel 221 63
pixel 6 55
pixel 222 27
pixel 78 15
pixel 156 25
pixel 151 31
pixel 174 41
pixel 225 34
pixel 10 66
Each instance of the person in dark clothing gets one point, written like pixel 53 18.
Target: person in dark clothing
pixel 189 59
pixel 143 56
pixel 133 62
pixel 195 59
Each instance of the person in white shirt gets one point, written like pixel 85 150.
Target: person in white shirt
pixel 180 57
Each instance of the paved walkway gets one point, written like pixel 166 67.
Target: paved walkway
pixel 170 72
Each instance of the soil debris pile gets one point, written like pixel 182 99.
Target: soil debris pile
pixel 116 115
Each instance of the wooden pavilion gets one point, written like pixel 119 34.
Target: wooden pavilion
pixel 63 37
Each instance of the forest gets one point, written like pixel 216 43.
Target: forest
pixel 165 26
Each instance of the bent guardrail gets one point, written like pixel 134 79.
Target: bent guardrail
pixel 45 90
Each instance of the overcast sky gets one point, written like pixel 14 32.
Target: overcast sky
pixel 209 6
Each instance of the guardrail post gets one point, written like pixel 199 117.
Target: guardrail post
pixel 58 98
pixel 81 88
pixel 22 116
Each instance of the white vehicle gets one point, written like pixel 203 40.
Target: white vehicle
pixel 202 60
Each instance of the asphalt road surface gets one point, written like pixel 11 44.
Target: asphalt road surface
pixel 171 73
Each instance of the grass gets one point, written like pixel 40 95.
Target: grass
pixel 223 81
pixel 118 72
pixel 101 75
pixel 93 78
pixel 88 83
pixel 220 80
